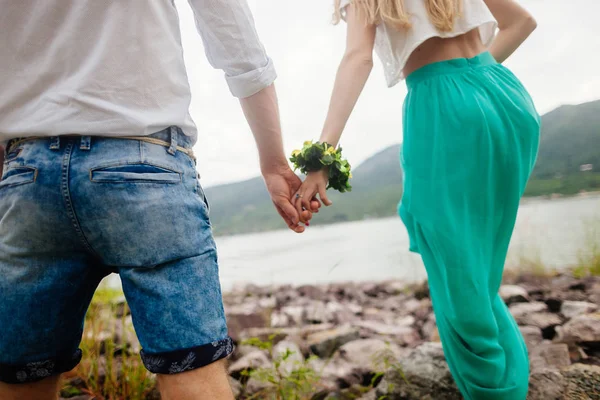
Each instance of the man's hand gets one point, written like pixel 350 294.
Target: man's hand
pixel 282 185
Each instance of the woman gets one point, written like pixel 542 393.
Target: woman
pixel 471 135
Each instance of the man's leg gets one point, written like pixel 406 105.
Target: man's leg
pixel 48 276
pixel 210 383
pixel 42 390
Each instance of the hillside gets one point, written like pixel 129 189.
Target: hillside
pixel 570 138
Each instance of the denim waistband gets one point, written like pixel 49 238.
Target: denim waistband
pixel 172 137
pixel 449 67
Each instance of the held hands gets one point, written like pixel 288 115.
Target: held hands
pixel 315 182
pixel 282 184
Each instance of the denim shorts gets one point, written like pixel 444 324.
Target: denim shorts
pixel 75 209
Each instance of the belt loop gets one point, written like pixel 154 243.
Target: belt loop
pixel 54 143
pixel 173 149
pixel 85 143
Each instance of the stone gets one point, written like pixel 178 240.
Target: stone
pixel 425 375
pixel 295 313
pixel 317 313
pixel 253 360
pixel 571 309
pixel 236 387
pixel 339 313
pixel 267 302
pixel 581 329
pixel 548 384
pixel 290 355
pixel 513 294
pixel 410 306
pixel 532 336
pixel 583 382
pixel 274 335
pixel 519 310
pixel 429 327
pixel 549 355
pixel 244 317
pixel 405 335
pixel 325 343
pixel 311 291
pixel 542 320
pixel 280 320
pixel 366 356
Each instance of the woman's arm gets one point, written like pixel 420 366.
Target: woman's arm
pixel 515 24
pixel 353 72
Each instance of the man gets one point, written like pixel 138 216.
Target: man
pixel 99 177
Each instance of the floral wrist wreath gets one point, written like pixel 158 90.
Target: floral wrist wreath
pixel 316 156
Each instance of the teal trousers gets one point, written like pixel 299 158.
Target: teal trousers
pixel 471 135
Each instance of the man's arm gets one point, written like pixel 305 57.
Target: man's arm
pixel 232 44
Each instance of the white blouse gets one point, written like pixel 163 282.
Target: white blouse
pixel 394 47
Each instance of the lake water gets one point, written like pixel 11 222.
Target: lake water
pixel 554 232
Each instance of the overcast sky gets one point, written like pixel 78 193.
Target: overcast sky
pixel 559 64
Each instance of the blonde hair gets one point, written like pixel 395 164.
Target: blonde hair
pixel 442 13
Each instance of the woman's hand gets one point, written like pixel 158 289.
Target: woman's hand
pixel 315 182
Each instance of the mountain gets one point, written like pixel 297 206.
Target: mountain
pixel 570 138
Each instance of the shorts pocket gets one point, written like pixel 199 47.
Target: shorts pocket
pixel 18 176
pixel 136 172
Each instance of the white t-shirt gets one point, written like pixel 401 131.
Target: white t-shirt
pixel 115 68
pixel 394 47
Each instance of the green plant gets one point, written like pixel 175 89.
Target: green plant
pixel 109 370
pixel 283 380
pixel 588 259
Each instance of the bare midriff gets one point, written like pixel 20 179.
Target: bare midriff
pixel 436 49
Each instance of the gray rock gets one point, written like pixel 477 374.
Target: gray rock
pixel 571 309
pixel 280 320
pixel 422 374
pixel 236 387
pixel 245 316
pixel 546 384
pixel 369 355
pixel 542 320
pixel 583 382
pixel 410 306
pixel 340 313
pixel 405 335
pixel 581 329
pixel 312 292
pixel 550 355
pixel 295 313
pixel 513 294
pixel 290 355
pixel 254 360
pixel 532 336
pixel 519 310
pixel 325 343
pixel 317 313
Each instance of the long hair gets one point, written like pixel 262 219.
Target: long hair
pixel 442 13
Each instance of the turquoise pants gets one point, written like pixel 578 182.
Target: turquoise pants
pixel 471 134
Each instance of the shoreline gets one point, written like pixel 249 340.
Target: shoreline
pixel 353 338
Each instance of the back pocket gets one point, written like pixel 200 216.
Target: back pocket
pixel 18 176
pixel 138 172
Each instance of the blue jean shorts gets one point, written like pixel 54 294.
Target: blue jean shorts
pixel 75 209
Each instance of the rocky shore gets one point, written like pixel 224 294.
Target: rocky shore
pixel 379 340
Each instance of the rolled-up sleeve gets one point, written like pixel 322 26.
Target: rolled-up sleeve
pixel 232 45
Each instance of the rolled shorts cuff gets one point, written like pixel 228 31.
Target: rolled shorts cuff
pixel 174 362
pixel 38 370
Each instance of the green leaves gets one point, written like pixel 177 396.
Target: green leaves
pixel 316 156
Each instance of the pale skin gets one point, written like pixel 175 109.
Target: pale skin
pixel 515 25
pixel 211 382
